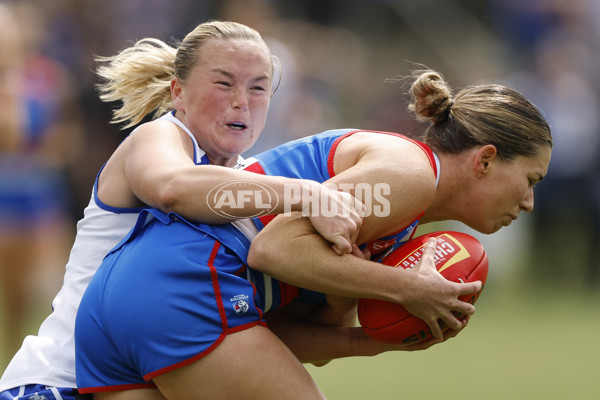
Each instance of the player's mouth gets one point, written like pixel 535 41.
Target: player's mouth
pixel 509 220
pixel 238 126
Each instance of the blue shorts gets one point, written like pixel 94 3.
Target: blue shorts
pixel 157 303
pixel 41 392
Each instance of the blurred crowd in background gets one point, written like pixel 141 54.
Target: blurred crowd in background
pixel 343 67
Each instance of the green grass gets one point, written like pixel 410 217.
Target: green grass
pixel 541 345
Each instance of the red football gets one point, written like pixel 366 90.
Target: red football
pixel 459 258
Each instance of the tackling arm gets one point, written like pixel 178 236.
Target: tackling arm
pixel 154 166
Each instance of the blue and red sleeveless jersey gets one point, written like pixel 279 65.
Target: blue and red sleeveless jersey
pixel 312 158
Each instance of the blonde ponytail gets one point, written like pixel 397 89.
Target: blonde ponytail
pixel 140 77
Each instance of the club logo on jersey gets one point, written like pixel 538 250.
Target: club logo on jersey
pixel 377 246
pixel 240 304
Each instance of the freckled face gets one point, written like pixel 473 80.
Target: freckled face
pixel 224 100
pixel 506 191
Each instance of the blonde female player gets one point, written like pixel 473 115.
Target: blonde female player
pixel 176 307
pixel 214 90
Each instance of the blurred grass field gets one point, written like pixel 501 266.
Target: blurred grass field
pixel 519 345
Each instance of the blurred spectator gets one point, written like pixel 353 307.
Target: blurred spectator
pixel 40 139
pixel 567 216
pixel 559 73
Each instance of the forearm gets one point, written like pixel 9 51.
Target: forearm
pixel 320 336
pixel 158 167
pixel 214 194
pixel 337 311
pixel 289 250
pixel 313 343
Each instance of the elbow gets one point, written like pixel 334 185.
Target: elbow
pixel 261 255
pixel 166 201
pixel 168 197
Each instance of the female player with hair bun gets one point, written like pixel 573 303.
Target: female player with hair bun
pixel 236 308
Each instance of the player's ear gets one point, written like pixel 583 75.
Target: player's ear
pixel 484 158
pixel 176 92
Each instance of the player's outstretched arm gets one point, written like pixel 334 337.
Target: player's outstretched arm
pixel 319 342
pixel 296 254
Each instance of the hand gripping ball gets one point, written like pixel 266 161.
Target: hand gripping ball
pixel 459 258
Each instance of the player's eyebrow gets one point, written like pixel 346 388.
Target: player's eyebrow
pixel 223 72
pixel 232 76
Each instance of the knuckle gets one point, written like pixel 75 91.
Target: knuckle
pixel 456 324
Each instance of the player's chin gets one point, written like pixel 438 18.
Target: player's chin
pixel 500 225
pixel 495 228
pixel 490 228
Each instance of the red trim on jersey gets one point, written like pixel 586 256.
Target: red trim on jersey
pixel 265 219
pixel 428 152
pixel 185 362
pixel 204 353
pixel 256 168
pixel 215 282
pixel 243 327
pixel 288 293
pixel 219 300
pixel 332 152
pixel 426 149
pixel 226 330
pixel 260 312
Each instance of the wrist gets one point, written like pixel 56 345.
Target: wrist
pixel 310 196
pixel 362 345
pixel 388 283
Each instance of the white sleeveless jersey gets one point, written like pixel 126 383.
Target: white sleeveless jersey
pixel 49 358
